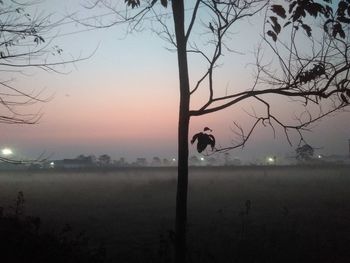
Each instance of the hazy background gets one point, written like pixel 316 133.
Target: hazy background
pixel 123 101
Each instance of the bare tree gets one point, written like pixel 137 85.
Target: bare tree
pixel 22 45
pixel 304 153
pixel 25 42
pixel 104 160
pixel 301 68
pixel 310 45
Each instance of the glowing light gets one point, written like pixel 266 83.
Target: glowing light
pixel 270 159
pixel 52 164
pixel 174 160
pixel 202 159
pixel 6 151
pixel 319 156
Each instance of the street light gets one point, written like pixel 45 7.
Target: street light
pixel 271 160
pixel 6 151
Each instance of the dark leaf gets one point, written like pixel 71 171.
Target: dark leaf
pixel 164 3
pixel 286 24
pixel 153 2
pixel 279 10
pixel 312 12
pixel 203 140
pixel 329 11
pixel 342 6
pixel 337 29
pixel 133 3
pixel 348 92
pixel 299 12
pixel 272 34
pixel 325 26
pixel 344 19
pixel 273 19
pixel 344 99
pixel 314 9
pixel 307 29
pixel 211 27
pixel 277 28
pixel 38 40
pixel 291 6
pixel 275 25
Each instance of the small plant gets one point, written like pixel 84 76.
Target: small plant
pixel 244 214
pixel 19 208
pixel 166 244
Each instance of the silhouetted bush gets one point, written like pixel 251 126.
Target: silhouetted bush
pixel 22 240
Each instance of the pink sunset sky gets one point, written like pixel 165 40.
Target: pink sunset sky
pixel 123 101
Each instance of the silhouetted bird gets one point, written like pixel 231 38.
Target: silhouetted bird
pixel 204 140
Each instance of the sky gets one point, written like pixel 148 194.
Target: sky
pixel 123 100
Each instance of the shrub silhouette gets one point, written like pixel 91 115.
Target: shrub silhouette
pixel 21 240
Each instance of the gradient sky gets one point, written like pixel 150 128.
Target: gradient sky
pixel 123 101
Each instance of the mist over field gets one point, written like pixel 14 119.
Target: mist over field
pixel 174 131
pixel 242 214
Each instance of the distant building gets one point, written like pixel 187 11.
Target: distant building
pixel 80 162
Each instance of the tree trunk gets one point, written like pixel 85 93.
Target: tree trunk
pixel 184 119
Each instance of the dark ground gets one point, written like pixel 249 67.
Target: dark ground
pixel 243 214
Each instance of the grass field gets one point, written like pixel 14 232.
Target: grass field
pixel 243 214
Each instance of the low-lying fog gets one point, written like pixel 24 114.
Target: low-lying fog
pixel 129 209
